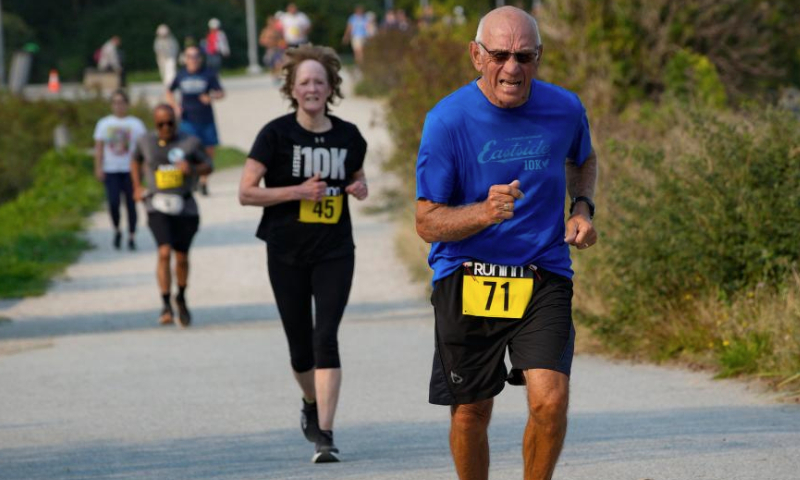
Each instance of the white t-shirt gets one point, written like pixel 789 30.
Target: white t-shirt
pixel 119 137
pixel 295 27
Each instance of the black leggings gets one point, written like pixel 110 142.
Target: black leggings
pixel 120 184
pixel 312 343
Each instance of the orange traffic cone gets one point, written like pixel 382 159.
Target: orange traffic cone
pixel 52 83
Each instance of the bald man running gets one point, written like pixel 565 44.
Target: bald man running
pixel 496 160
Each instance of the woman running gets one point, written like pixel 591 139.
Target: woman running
pixel 310 161
pixel 115 136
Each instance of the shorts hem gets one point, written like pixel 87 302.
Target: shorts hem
pixel 467 399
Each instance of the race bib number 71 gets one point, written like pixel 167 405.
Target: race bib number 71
pixel 496 291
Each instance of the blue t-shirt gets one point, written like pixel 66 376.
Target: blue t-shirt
pixel 469 144
pixel 191 86
pixel 358 26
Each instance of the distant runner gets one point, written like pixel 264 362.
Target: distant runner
pixel 199 86
pixel 170 163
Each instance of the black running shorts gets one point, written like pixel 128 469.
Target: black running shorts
pixel 469 360
pixel 176 231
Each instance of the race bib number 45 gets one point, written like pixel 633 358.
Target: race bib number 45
pixel 327 210
pixel 496 291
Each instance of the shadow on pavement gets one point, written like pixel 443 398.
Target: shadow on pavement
pixel 409 450
pixel 214 316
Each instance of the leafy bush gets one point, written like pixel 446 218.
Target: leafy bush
pixel 27 133
pixel 435 64
pixel 615 52
pixel 698 221
pixel 39 234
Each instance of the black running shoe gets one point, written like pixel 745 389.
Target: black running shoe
pixel 204 189
pixel 117 239
pixel 326 451
pixel 309 421
pixel 131 244
pixel 184 318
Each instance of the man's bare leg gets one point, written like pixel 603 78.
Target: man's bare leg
pixel 182 268
pixel 548 398
pixel 469 439
pixel 162 269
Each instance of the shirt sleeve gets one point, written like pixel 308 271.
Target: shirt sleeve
pixel 98 131
pixel 137 150
pixel 359 149
pixel 199 155
pixel 175 85
pixel 582 141
pixel 213 82
pixel 435 162
pixel 264 146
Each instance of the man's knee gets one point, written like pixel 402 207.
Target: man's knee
pixel 550 405
pixel 182 258
pixel 472 417
pixel 164 252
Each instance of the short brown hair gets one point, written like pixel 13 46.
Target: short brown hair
pixel 326 56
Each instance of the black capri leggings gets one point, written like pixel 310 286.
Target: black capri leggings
pixel 312 343
pixel 120 184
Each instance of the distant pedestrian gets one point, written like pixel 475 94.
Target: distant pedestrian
pixel 198 86
pixel 166 48
pixel 170 161
pixel 357 32
pixel 271 38
pixel 216 45
pixel 108 57
pixel 296 26
pixel 115 137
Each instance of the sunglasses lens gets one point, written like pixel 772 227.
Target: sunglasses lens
pixel 165 124
pixel 501 57
pixel 524 57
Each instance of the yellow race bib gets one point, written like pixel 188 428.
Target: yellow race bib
pixel 169 178
pixel 496 291
pixel 327 210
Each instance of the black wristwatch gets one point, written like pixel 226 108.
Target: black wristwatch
pixel 587 201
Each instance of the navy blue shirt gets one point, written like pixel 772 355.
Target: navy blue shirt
pixel 468 144
pixel 191 86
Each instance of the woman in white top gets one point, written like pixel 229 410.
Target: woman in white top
pixel 114 139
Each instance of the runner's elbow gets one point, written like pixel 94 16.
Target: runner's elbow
pixel 424 231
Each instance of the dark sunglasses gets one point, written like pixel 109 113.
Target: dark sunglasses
pixel 502 56
pixel 169 123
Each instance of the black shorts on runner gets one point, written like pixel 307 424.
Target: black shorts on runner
pixel 176 231
pixel 469 360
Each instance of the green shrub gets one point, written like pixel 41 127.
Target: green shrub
pixel 436 63
pixel 27 133
pixel 697 221
pixel 39 234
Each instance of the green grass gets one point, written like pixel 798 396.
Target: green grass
pixel 228 157
pixel 42 226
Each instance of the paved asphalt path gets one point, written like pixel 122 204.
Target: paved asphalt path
pixel 92 388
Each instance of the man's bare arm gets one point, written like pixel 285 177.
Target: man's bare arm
pixel 437 222
pixel 581 182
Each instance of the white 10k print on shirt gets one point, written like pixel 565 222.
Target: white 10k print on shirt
pixel 328 162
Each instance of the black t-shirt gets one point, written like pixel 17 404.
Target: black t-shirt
pixel 293 154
